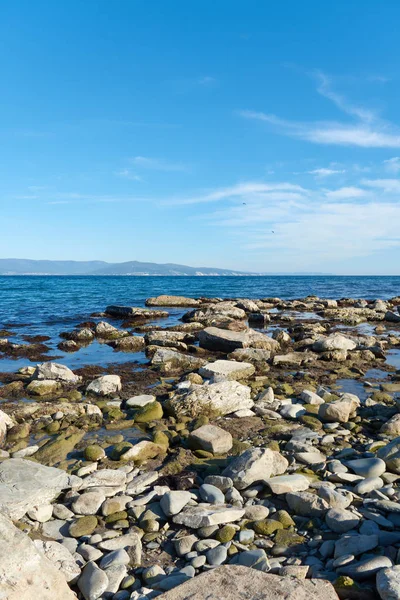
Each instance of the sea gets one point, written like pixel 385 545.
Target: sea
pixel 49 305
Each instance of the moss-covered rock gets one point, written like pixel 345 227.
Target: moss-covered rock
pixel 285 537
pixel 119 449
pixel 150 412
pixel 161 439
pixel 225 534
pixel 83 526
pixel 116 516
pixel 283 517
pixel 56 450
pixel 93 453
pixel 267 526
pixel 53 427
pixel 18 432
pixel 200 421
pixel 311 422
pixel 43 388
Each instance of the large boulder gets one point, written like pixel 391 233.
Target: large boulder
pixel 216 399
pixel 225 340
pixel 56 372
pixel 25 573
pixel 25 484
pixel 166 300
pixel 255 465
pixel 387 583
pixel 336 341
pixel 232 582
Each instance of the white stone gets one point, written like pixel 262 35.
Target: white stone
pixel 138 401
pixel 220 398
pixel 336 341
pixel 221 370
pixel 287 483
pixel 212 439
pixel 41 513
pixel 61 558
pixel 204 515
pixel 105 385
pixel 93 582
pixel 56 372
pixel 88 503
pixel 174 501
pixel 255 464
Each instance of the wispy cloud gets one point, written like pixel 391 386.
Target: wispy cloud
pixel 367 130
pixel 325 172
pixel 158 164
pixel 346 192
pixel 392 165
pixel 247 191
pixel 128 174
pixel 388 186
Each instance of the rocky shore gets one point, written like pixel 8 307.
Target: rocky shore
pixel 252 434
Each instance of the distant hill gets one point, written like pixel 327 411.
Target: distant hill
pixel 20 266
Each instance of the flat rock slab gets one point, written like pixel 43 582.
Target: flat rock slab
pixel 25 574
pixel 227 369
pixel 231 582
pixel 25 484
pixel 204 515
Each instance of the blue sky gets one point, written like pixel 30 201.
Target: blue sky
pixel 253 135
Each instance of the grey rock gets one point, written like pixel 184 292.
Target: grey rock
pixel 217 556
pixel 174 501
pixel 210 493
pixel 355 544
pixel 367 467
pixel 365 568
pixel 61 558
pixel 255 464
pixel 93 582
pixel 212 439
pixel 388 583
pixel 205 514
pixel 341 520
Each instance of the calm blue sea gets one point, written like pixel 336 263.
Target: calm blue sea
pixel 48 305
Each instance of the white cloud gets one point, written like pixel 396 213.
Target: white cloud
pixel 367 129
pixel 346 192
pixel 388 186
pixel 158 164
pixel 247 191
pixel 392 164
pixel 325 172
pixel 128 174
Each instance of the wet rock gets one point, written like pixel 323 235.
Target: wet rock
pixel 255 464
pixel 130 343
pixel 56 450
pixel 167 300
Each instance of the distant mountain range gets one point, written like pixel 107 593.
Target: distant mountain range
pixel 22 266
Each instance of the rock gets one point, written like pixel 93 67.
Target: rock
pixel 5 423
pixel 116 557
pixel 252 355
pixel 306 504
pixel 129 343
pixel 41 514
pixel 216 556
pixel 61 558
pixel 171 360
pixel 93 453
pixel 169 339
pixel 216 399
pixel 55 372
pixel 152 411
pixel 287 483
pixel 367 467
pixel 295 359
pixel 211 494
pixel 224 340
pixel 212 439
pixel 309 397
pixel 104 478
pixel 55 450
pixel 230 370
pixel 106 331
pixel 83 526
pixel 390 454
pixel 205 515
pixel 341 520
pixel 93 582
pixel 355 544
pixel 166 300
pixel 365 568
pixel 392 317
pixel 388 583
pixel 105 385
pixel 255 464
pixel 134 312
pixel 333 412
pixel 174 501
pixel 25 485
pixel 392 427
pixel 336 341
pixel 141 451
pixel 88 503
pixel 183 545
pixel 43 387
pixel 367 485
pixel 140 401
pixel 231 582
pixel 25 574
pixel 130 542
